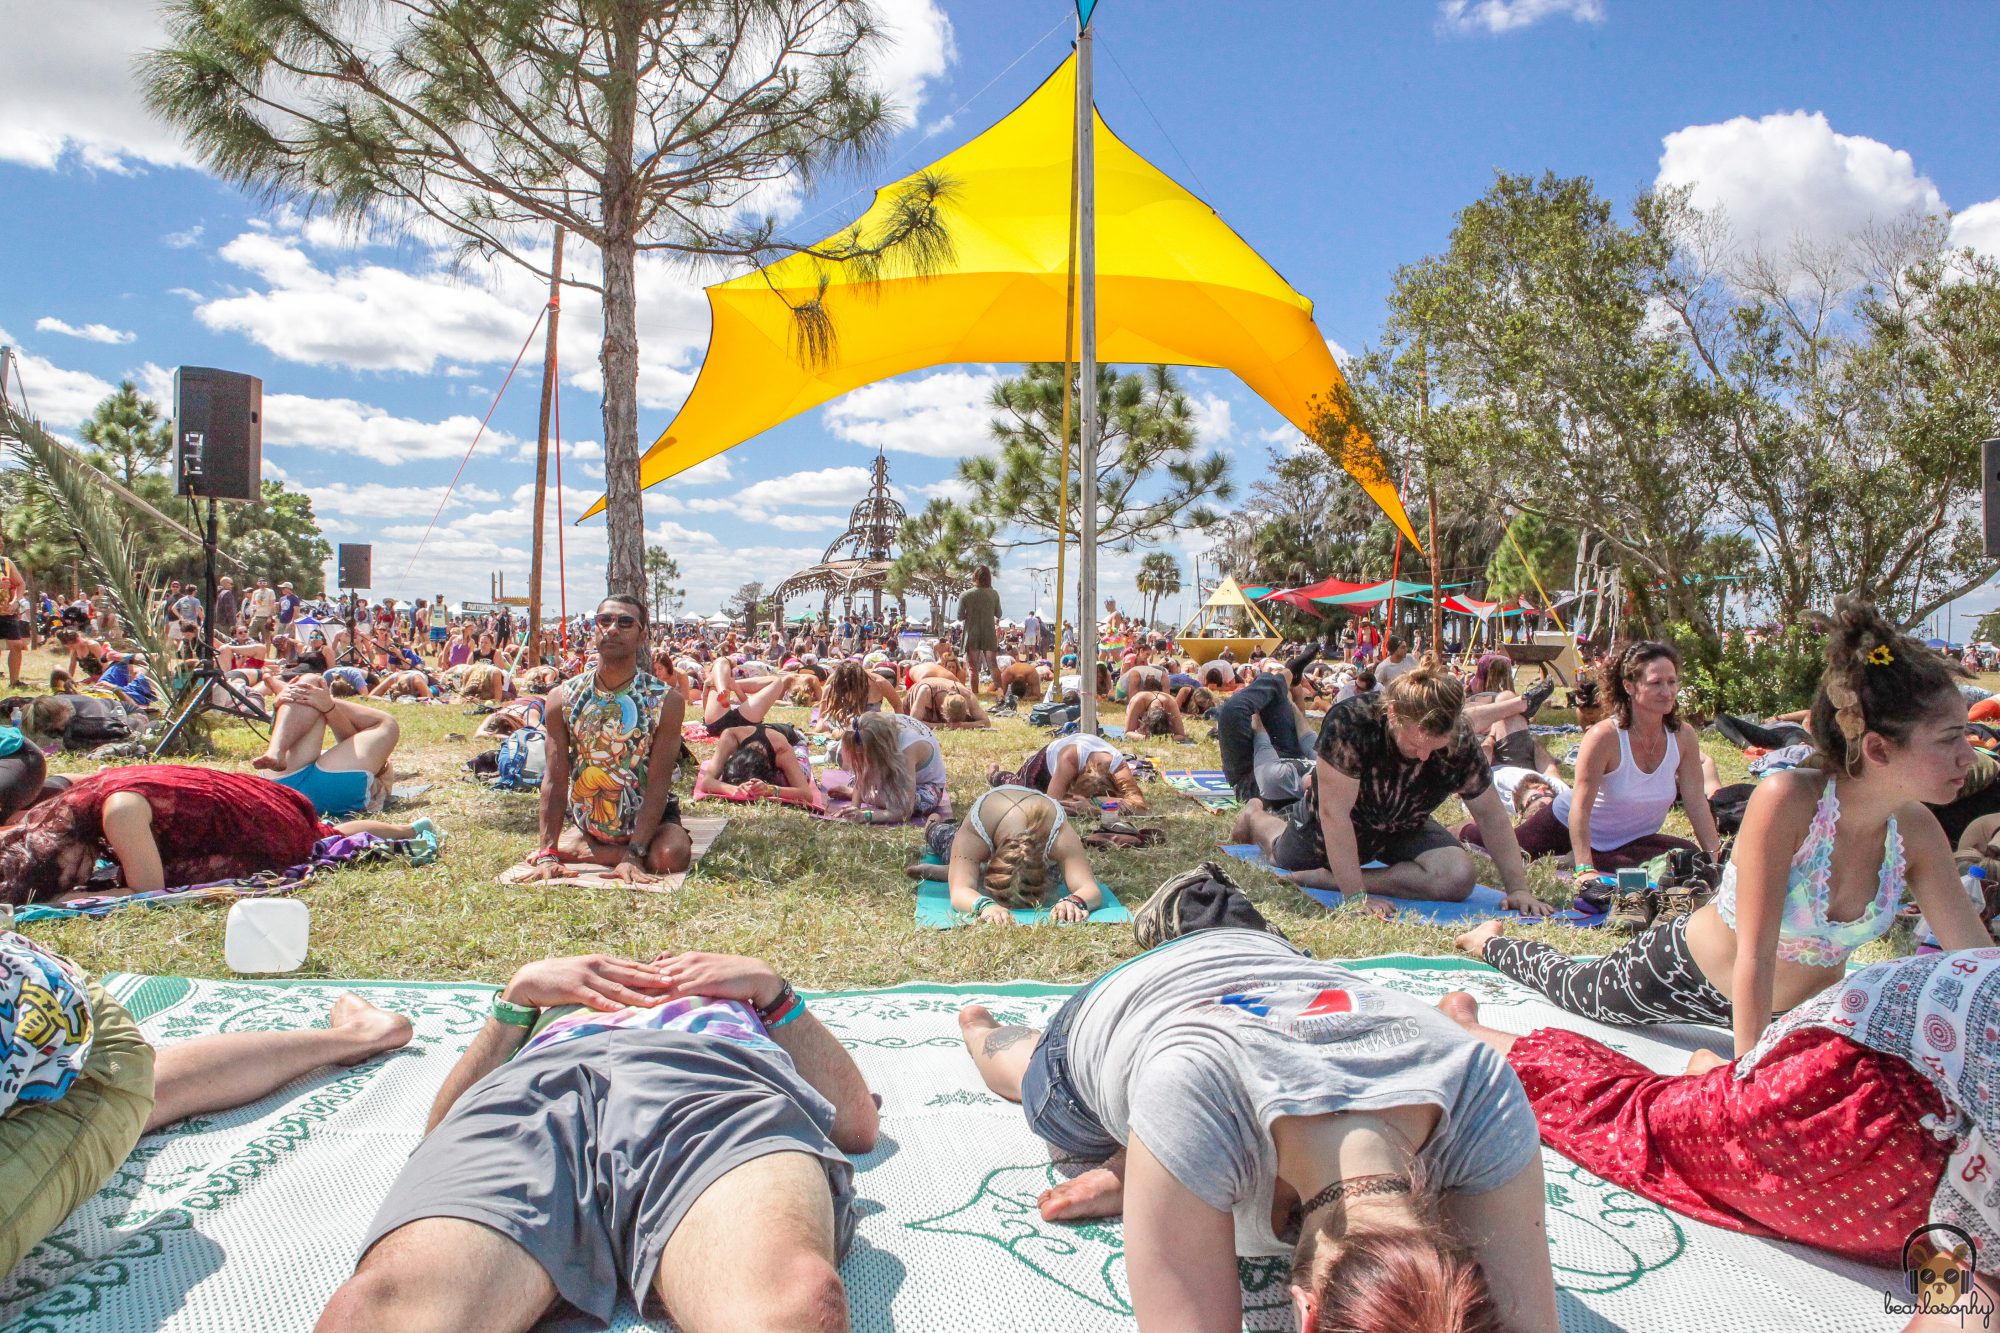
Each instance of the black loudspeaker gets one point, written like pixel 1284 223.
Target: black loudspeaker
pixel 218 434
pixel 1989 490
pixel 356 562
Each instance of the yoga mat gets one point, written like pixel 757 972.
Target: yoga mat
pixel 249 1219
pixel 840 777
pixel 1206 786
pixel 327 854
pixel 1482 905
pixel 934 911
pixel 702 832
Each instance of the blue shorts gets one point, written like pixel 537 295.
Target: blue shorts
pixel 1055 1113
pixel 439 634
pixel 331 793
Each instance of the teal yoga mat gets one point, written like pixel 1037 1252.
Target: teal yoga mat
pixel 934 911
pixel 1482 905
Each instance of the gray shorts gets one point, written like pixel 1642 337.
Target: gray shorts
pixel 587 1153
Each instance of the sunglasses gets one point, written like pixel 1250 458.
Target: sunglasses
pixel 606 620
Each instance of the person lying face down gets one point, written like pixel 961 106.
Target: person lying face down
pixel 1243 1098
pixel 1014 847
pixel 660 1114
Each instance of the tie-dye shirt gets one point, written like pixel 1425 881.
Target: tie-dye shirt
pixel 727 1020
pixel 45 1026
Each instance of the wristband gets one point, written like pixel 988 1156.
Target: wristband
pixel 981 903
pixel 514 1015
pixel 790 1015
pixel 1582 871
pixel 1076 898
pixel 779 1002
pixel 544 856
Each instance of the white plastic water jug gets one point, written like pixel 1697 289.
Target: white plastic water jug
pixel 266 935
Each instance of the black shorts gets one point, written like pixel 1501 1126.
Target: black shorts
pixel 1299 847
pixel 12 628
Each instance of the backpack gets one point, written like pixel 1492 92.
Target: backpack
pixel 1198 899
pixel 523 757
pixel 96 722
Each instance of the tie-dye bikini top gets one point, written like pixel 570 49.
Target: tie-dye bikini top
pixel 1805 934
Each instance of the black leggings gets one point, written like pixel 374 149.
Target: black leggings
pixel 1652 979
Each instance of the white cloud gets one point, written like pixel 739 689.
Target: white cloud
pixel 96 333
pixel 182 240
pixel 1341 355
pixel 70 91
pixel 918 48
pixel 1212 422
pixel 1978 228
pixel 706 472
pixel 372 499
pixel 806 522
pixel 1498 16
pixel 836 486
pixel 60 399
pixel 344 425
pixel 951 488
pixel 1789 176
pixel 940 415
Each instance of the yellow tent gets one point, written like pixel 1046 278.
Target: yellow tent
pixel 1174 285
pixel 1199 638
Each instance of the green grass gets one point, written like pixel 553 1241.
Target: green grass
pixel 827 904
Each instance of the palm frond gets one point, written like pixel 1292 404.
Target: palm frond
pixel 99 530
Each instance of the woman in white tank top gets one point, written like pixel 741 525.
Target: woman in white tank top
pixel 1631 768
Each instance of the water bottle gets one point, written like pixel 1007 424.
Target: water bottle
pixel 1973 881
pixel 266 935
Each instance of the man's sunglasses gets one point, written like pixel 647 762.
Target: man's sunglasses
pixel 606 619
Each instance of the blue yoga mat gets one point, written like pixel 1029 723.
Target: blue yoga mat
pixel 1482 905
pixel 934 910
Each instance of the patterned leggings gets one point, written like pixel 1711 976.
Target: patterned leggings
pixel 1652 979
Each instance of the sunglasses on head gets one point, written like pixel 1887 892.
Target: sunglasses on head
pixel 623 620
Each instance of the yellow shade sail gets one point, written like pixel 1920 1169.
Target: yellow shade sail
pixel 1175 286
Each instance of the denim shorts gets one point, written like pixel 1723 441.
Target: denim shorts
pixel 1055 1112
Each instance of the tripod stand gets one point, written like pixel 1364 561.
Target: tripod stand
pixel 198 696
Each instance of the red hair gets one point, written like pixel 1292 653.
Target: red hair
pixel 1400 1279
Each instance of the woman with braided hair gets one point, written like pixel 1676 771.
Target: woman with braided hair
pixel 1820 865
pixel 1014 847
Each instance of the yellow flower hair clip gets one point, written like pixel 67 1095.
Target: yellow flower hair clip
pixel 1881 656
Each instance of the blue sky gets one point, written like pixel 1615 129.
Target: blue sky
pixel 1337 139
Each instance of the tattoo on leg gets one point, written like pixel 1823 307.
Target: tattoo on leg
pixel 1001 1038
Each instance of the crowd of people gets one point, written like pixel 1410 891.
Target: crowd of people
pixel 619 1122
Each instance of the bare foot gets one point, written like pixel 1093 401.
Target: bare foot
pixel 994 773
pixel 976 1020
pixel 1704 1060
pixel 1460 1008
pixel 1474 941
pixel 1098 1193
pixel 267 761
pixel 378 1030
pixel 1239 831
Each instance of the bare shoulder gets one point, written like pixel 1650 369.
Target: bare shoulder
pixel 1788 797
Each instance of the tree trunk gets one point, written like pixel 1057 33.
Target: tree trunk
pixel 624 512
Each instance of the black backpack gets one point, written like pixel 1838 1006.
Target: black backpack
pixel 96 722
pixel 1199 899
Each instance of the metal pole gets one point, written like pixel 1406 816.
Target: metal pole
pixel 1069 386
pixel 1086 173
pixel 534 654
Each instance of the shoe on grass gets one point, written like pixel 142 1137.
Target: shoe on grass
pixel 1681 900
pixel 1631 912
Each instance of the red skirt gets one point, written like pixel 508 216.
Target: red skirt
pixel 1822 1144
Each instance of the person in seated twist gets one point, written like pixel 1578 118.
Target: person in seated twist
pixel 614 740
pixel 677 1129
pixel 1000 857
pixel 1890 726
pixel 1243 1098
pixel 1382 765
pixel 1838 1100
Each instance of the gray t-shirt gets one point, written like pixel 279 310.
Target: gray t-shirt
pixel 1199 1045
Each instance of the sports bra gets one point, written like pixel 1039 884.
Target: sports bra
pixel 1805 934
pixel 978 821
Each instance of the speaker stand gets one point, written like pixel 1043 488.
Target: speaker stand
pixel 198 696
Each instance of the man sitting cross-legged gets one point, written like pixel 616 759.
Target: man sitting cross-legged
pixel 1383 764
pixel 614 740
pixel 675 1127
